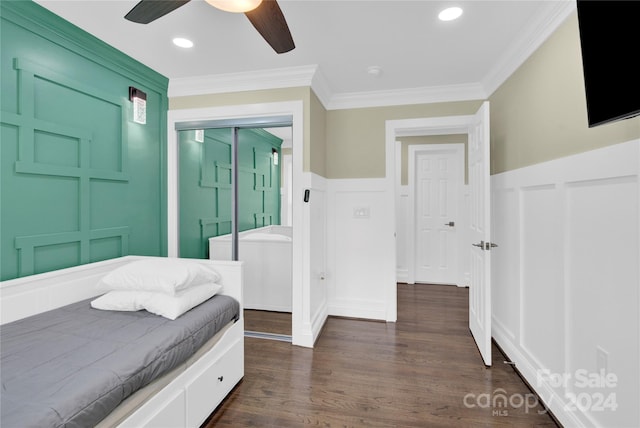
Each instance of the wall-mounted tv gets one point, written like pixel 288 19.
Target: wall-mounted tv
pixel 610 44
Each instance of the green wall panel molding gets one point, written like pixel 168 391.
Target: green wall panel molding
pixel 29 246
pixel 79 181
pixel 205 185
pixel 38 20
pixel 258 179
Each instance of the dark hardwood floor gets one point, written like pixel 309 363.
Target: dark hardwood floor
pixel 422 371
pixel 267 321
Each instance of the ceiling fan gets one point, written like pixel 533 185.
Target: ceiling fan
pixel 265 15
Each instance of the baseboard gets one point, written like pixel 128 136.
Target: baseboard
pixel 552 401
pixel 358 309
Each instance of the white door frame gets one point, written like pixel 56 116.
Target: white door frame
pixel 301 278
pixel 394 129
pixel 413 150
pixel 286 196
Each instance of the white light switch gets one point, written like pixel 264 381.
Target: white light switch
pixel 361 212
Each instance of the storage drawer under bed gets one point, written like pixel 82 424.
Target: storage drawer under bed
pixel 198 391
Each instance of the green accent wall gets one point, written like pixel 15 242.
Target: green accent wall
pixel 80 181
pixel 205 185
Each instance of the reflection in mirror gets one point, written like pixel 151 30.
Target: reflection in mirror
pixel 205 189
pixel 264 215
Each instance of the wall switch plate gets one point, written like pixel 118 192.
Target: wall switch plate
pixel 361 212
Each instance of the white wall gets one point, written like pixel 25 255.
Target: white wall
pixel 566 281
pixel 359 252
pixel 317 212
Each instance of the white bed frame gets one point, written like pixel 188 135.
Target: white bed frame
pixel 189 399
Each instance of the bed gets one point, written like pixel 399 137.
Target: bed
pixel 181 375
pixel 266 253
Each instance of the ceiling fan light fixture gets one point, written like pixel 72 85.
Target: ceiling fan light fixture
pixel 235 6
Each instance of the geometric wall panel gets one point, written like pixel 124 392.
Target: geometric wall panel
pixel 205 185
pixel 55 155
pixel 79 180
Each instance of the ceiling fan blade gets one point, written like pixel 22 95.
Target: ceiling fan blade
pixel 270 23
pixel 147 11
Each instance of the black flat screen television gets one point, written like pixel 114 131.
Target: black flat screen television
pixel 610 44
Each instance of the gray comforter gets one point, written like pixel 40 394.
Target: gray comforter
pixel 72 366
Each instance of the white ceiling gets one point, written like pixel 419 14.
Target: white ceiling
pixel 340 39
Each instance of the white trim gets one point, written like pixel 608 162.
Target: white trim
pixel 321 88
pixel 312 322
pixel 410 127
pixel 406 96
pixel 352 308
pixel 300 278
pixel 548 20
pixel 569 182
pixel 444 125
pixel 289 77
pixel 548 396
pixel 556 12
pixel 402 275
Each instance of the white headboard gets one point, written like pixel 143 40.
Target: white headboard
pixel 23 297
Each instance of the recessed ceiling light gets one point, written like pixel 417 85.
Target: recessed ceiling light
pixel 374 70
pixel 450 14
pixel 182 42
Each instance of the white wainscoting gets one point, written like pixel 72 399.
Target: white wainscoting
pixel 566 281
pixel 360 252
pixel 308 322
pixel 318 237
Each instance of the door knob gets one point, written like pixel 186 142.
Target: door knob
pixel 485 245
pixel 481 245
pixel 450 224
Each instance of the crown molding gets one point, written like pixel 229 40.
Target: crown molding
pixel 423 95
pixel 35 18
pixel 555 13
pixel 535 34
pixel 248 81
pixel 321 88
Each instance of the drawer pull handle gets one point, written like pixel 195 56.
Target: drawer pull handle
pixel 220 378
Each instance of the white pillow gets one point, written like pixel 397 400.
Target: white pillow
pixel 157 303
pixel 161 274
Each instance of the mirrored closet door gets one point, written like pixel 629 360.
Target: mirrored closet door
pixel 233 206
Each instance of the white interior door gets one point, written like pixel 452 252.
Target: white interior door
pixel 438 176
pixel 480 233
